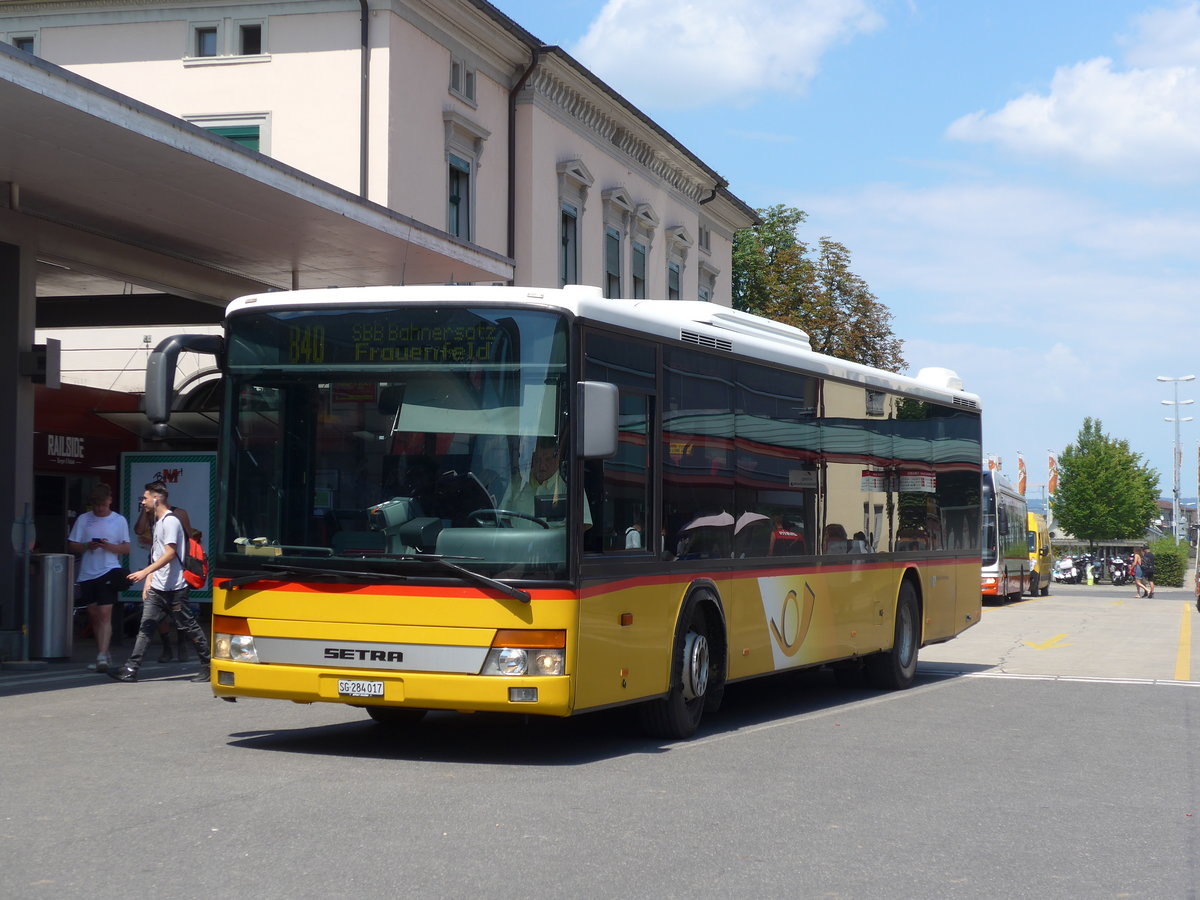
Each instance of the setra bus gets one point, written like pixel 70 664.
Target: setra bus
pixel 1005 555
pixel 548 502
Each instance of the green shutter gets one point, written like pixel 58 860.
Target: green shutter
pixel 246 135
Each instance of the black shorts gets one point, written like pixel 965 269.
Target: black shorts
pixel 101 591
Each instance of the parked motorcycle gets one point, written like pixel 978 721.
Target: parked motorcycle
pixel 1065 571
pixel 1119 571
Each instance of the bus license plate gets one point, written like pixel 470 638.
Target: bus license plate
pixel 355 688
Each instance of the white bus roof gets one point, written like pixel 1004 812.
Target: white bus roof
pixel 694 322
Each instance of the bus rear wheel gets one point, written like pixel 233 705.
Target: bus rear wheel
pixel 395 716
pixel 895 669
pixel 697 679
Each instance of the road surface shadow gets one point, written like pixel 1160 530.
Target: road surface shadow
pixel 505 739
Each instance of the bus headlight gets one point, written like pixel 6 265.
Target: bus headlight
pixel 234 647
pixel 523 661
pixel 517 652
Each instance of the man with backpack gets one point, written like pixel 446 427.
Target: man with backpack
pixel 168 591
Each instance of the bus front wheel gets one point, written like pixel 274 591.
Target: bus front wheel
pixel 895 669
pixel 697 679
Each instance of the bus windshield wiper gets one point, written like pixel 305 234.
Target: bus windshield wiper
pixel 467 574
pixel 272 570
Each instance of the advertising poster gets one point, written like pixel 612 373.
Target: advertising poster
pixel 191 480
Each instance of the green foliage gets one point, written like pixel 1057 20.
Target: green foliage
pixel 1105 491
pixel 1170 562
pixel 775 275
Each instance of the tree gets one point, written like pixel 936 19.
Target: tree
pixel 1105 491
pixel 776 276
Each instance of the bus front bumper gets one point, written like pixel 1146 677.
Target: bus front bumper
pixel 531 695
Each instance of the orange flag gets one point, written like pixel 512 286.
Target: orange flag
pixel 1020 475
pixel 1052 487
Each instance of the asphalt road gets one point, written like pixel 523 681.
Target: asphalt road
pixel 1049 752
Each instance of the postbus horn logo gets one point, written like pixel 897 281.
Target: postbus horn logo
pixel 792 628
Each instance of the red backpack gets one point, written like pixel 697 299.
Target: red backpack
pixel 195 566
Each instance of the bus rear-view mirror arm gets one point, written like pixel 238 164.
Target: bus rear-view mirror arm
pixel 598 424
pixel 160 370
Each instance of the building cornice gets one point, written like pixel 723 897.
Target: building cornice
pixel 602 121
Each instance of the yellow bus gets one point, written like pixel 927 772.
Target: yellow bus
pixel 548 502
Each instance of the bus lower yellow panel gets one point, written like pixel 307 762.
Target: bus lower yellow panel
pixel 776 621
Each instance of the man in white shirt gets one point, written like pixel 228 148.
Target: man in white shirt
pixel 101 536
pixel 168 592
pixel 544 495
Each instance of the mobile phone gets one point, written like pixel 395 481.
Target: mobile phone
pixel 99 540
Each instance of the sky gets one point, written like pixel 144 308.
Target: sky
pixel 1018 183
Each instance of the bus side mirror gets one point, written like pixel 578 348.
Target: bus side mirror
pixel 160 371
pixel 597 420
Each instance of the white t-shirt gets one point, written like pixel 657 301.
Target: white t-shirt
pixel 113 528
pixel 168 530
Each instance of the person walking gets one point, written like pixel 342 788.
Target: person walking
pixel 168 592
pixel 101 536
pixel 1136 566
pixel 144 529
pixel 1148 571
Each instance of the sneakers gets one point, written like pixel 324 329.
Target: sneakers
pixel 123 674
pixel 100 665
pixel 205 674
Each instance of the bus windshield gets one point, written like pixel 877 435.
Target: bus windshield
pixel 376 439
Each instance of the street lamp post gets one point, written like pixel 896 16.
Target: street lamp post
pixel 1175 455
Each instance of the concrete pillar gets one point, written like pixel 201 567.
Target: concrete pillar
pixel 17 318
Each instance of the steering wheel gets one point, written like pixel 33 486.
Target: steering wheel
pixel 496 514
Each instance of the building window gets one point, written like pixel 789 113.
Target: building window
pixel 204 40
pixel 225 40
pixel 704 238
pixel 250 38
pixel 679 242
pixel 462 81
pixel 618 214
pixel 465 141
pixel 569 254
pixel 247 135
pixel 251 130
pixel 638 271
pixel 612 262
pixel 26 42
pixel 708 281
pixel 459 198
pixel 574 182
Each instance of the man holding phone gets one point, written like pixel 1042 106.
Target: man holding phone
pixel 101 536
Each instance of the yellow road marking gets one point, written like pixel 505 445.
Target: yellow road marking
pixel 1183 659
pixel 1051 644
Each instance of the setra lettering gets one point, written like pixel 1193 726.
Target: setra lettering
pixel 352 653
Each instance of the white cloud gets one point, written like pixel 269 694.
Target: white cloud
pixel 707 52
pixel 1165 37
pixel 1141 122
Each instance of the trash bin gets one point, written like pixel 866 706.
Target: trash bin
pixel 52 605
